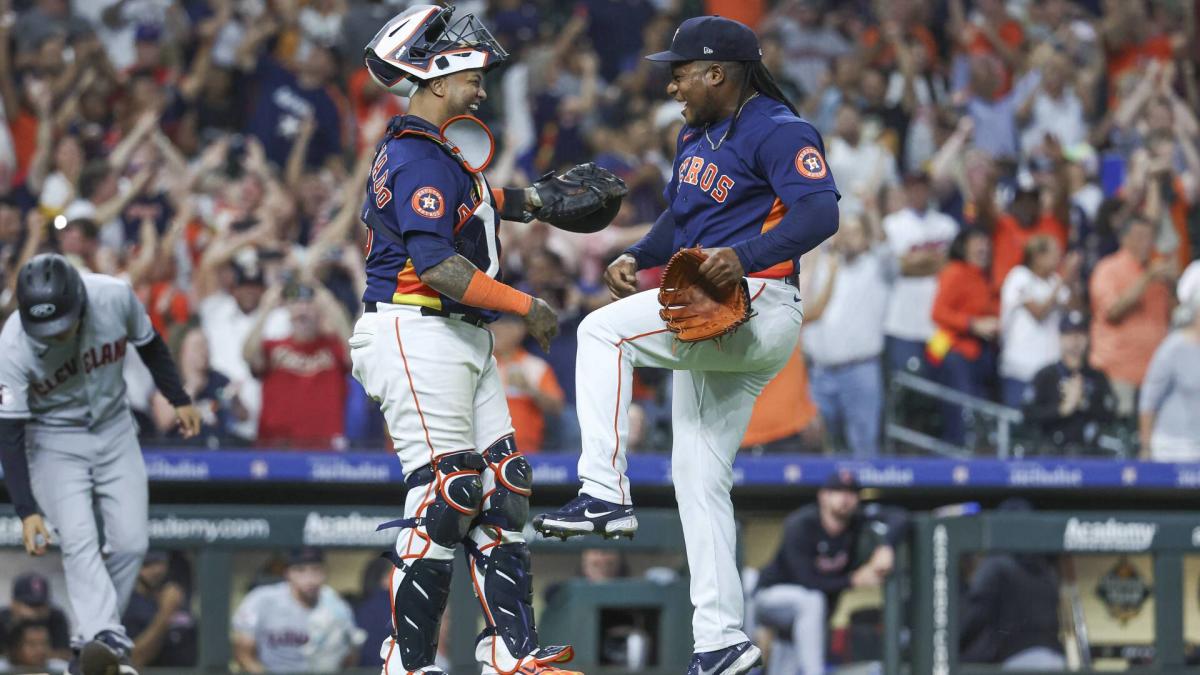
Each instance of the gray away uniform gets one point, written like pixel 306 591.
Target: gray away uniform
pixel 82 445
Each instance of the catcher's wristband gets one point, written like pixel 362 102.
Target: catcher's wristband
pixel 485 292
pixel 514 204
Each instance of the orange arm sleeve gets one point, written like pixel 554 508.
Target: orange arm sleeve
pixel 487 293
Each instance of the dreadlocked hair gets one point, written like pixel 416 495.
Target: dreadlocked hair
pixel 753 75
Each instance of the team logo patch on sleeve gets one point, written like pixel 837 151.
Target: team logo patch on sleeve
pixel 428 202
pixel 810 163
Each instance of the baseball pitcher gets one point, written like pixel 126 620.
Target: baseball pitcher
pixel 750 194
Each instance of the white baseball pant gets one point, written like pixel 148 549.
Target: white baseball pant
pixel 435 380
pixel 715 386
pixel 73 472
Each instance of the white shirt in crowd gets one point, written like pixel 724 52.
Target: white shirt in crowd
pixel 851 327
pixel 292 637
pixel 1026 344
pixel 1188 286
pixel 910 308
pixel 859 167
pixel 225 327
pixel 1060 117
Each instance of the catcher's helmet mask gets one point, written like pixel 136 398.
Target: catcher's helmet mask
pixel 50 295
pixel 423 43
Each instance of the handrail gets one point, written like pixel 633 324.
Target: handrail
pixel 1005 417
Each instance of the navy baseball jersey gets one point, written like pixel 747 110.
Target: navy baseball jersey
pixel 416 186
pixel 725 192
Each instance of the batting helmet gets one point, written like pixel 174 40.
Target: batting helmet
pixel 50 294
pixel 422 43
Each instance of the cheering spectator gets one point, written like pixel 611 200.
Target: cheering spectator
pixel 862 165
pixel 1069 402
pixel 1170 396
pixel 290 94
pixel 843 334
pixel 1031 303
pixel 158 618
pixel 966 312
pixel 1131 304
pixel 31 605
pixel 1024 220
pixel 919 237
pixel 296 625
pixel 303 375
pixel 534 397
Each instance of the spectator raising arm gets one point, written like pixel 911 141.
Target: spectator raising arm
pixel 252 351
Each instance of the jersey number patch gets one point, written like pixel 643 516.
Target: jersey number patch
pixel 810 163
pixel 429 202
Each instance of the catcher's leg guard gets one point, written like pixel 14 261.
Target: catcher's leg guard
pixel 498 559
pixel 442 500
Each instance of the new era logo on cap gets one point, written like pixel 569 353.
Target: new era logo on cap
pixel 712 38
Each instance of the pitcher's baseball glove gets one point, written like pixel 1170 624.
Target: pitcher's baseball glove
pixel 583 199
pixel 692 307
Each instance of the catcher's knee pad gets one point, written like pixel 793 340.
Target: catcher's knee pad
pixel 420 590
pixel 507 484
pixel 504 585
pixel 450 493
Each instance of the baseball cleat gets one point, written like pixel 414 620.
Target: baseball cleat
pixel 106 655
pixel 533 668
pixel 736 660
pixel 587 515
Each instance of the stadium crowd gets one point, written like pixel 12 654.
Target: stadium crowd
pixel 1019 187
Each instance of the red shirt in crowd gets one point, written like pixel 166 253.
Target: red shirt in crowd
pixel 303 392
pixel 1009 239
pixel 964 293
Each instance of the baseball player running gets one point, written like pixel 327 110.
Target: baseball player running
pixel 751 185
pixel 69 444
pixel 422 348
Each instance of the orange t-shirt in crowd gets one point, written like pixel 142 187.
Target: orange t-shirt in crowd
pixel 166 305
pixel 1129 59
pixel 749 12
pixel 363 107
pixel 529 425
pixel 23 127
pixel 784 408
pixel 1123 350
pixel 886 57
pixel 964 293
pixel 1009 239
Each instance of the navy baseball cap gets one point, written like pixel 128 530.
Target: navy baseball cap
pixel 31 589
pixel 842 479
pixel 305 555
pixel 711 38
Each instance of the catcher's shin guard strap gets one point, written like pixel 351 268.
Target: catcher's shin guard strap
pixel 420 591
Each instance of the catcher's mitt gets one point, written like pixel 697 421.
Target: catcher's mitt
pixel 692 307
pixel 584 199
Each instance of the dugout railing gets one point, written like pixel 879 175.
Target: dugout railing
pixel 939 545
